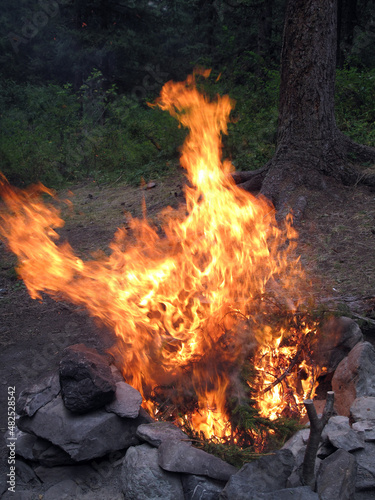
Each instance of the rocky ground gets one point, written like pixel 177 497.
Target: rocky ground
pixel 337 240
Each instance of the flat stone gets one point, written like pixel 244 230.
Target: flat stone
pixel 38 395
pixel 341 435
pixel 201 487
pixel 177 456
pixel 335 340
pixel 143 479
pixel 299 493
pixel 265 475
pixel 336 477
pixel 363 408
pixel 365 467
pixel 354 377
pixel 127 401
pixel 158 432
pixel 83 437
pixel 86 379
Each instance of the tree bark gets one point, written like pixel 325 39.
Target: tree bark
pixel 309 144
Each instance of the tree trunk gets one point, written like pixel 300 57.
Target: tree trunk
pixel 347 20
pixel 309 144
pixel 265 28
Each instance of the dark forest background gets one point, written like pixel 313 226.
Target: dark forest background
pixel 76 76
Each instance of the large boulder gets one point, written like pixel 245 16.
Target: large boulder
pixel 143 479
pixel 86 379
pixel 83 437
pixel 336 477
pixel 365 467
pixel 336 339
pixel 266 475
pixel 354 377
pixel 363 409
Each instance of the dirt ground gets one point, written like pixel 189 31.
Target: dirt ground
pixel 336 243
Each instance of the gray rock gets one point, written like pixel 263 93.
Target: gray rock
pixel 86 379
pixel 334 342
pixel 201 488
pixel 24 444
pixel 363 408
pixel 49 454
pixel 38 395
pixel 177 456
pixel 53 475
pixel 33 448
pixel 158 432
pixel 299 493
pixel 3 485
pixel 25 473
pixel 354 377
pixel 64 490
pixel 336 477
pixel 365 467
pixel 127 401
pixel 21 495
pixel 143 479
pixel 83 437
pixel 341 435
pixel 265 475
pixel 297 442
pixel 364 495
pixel 365 428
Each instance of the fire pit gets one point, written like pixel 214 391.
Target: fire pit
pixel 196 303
pixel 213 322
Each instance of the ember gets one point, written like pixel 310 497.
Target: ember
pixel 193 302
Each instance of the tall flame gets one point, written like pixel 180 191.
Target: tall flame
pixel 187 300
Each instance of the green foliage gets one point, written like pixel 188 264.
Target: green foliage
pixel 355 109
pixel 53 134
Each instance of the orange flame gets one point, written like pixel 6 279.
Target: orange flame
pixel 187 300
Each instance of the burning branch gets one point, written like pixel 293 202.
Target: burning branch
pixel 316 428
pixel 286 373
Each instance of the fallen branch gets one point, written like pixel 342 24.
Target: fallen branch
pixel 316 428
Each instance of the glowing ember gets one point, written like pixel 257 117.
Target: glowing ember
pixel 190 302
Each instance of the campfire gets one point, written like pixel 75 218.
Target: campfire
pixel 208 308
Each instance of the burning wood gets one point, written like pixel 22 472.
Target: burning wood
pixel 196 301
